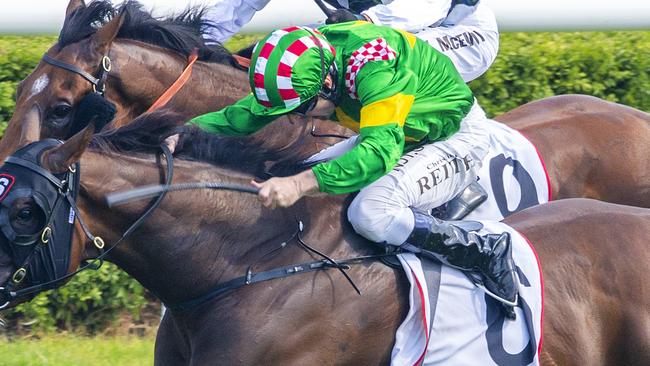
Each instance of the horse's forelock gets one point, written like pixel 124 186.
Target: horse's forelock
pixel 85 21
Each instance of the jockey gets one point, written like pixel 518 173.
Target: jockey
pixel 464 30
pixel 421 138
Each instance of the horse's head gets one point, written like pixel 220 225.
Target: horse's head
pixel 51 94
pixel 38 246
pixel 123 54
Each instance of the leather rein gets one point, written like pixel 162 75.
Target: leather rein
pixel 250 277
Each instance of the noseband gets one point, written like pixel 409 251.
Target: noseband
pixel 44 257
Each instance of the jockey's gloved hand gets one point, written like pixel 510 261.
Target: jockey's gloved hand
pixel 93 107
pixel 342 16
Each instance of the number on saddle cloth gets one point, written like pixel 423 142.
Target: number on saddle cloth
pixel 512 173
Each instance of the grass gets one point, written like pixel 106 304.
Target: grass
pixel 69 350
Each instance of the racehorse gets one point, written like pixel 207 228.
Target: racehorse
pixel 595 298
pixel 591 148
pixel 133 59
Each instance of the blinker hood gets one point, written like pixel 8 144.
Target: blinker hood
pixel 43 253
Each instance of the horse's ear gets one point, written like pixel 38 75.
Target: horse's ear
pixel 60 158
pixel 103 38
pixel 73 5
pixel 31 127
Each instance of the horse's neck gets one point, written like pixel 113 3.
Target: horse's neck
pixel 151 70
pixel 198 239
pixel 145 72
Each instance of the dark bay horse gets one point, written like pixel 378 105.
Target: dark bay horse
pixel 592 148
pixel 594 258
pixel 146 55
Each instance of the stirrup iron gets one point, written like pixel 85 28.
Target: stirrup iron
pixel 464 203
pixel 497 297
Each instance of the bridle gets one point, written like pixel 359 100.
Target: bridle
pixel 43 258
pixel 98 83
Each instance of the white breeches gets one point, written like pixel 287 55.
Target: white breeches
pixel 424 178
pixel 226 17
pixel 471 44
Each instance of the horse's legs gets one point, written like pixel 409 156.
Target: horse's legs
pixel 171 348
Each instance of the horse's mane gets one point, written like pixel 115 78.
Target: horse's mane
pixel 180 33
pixel 246 154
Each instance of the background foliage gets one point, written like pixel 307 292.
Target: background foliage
pixel 610 65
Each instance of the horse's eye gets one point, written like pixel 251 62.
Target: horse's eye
pixel 25 214
pixel 61 111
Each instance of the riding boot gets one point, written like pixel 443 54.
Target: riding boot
pixel 465 202
pixel 460 246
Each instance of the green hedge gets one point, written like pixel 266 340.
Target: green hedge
pixel 611 65
pixel 18 57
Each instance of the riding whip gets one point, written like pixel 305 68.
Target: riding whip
pixel 120 198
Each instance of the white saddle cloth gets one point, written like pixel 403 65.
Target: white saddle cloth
pixel 464 326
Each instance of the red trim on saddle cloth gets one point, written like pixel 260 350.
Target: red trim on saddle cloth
pixel 548 179
pixel 541 282
pixel 424 319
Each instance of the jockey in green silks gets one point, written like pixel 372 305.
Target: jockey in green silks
pixel 421 138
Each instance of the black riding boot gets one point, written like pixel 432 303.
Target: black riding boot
pixel 460 246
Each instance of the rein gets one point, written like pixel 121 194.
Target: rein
pixel 250 277
pixel 293 269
